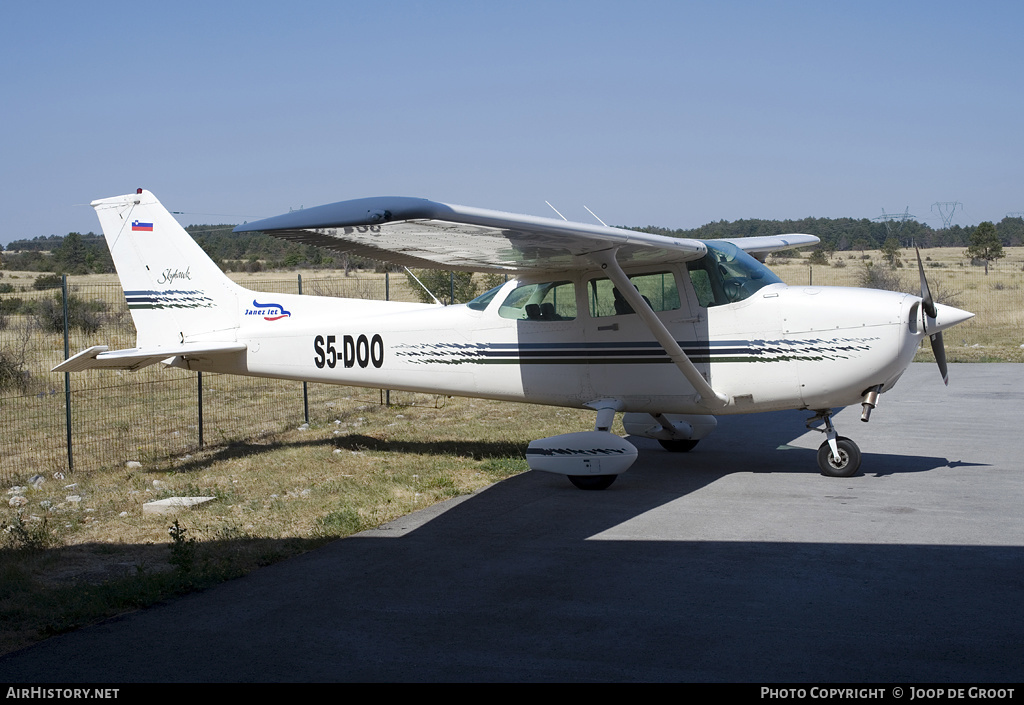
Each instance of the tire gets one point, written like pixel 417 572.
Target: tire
pixel 592 482
pixel 679 446
pixel 849 459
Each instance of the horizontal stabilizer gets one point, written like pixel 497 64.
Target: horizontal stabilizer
pixel 97 357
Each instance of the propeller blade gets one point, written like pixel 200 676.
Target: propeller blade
pixel 938 348
pixel 939 351
pixel 926 294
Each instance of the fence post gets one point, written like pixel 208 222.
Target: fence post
pixel 305 390
pixel 67 375
pixel 199 382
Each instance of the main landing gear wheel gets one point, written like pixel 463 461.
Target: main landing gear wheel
pixel 679 446
pixel 592 482
pixel 846 465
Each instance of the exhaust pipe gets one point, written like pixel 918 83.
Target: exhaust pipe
pixel 869 403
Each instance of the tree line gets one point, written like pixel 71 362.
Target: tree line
pixel 77 253
pixel 844 234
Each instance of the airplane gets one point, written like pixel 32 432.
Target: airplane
pixel 670 332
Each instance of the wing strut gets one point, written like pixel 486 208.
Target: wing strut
pixel 706 395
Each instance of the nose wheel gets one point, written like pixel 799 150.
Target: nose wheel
pixel 838 456
pixel 845 462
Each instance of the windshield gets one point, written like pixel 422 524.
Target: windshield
pixel 727 274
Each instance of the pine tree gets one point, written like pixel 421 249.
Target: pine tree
pixel 985 244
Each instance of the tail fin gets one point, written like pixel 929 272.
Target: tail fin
pixel 174 291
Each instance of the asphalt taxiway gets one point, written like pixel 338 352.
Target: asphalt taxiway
pixel 736 562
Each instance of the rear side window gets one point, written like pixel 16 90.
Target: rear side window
pixel 550 301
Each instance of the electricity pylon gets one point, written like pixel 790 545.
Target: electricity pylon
pixel 945 210
pixel 894 221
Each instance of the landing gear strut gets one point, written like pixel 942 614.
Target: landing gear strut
pixel 838 456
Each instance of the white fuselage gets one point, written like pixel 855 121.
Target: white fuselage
pixel 783 347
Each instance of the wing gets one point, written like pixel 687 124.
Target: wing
pixel 416 232
pixel 761 245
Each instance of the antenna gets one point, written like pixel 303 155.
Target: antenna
pixel 945 210
pixel 595 215
pixel 556 211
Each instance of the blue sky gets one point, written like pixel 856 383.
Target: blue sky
pixel 650 113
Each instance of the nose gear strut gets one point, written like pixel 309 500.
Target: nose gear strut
pixel 838 456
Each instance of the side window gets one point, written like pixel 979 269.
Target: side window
pixel 550 301
pixel 701 281
pixel 602 297
pixel 658 289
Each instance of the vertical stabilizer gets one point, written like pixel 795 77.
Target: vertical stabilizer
pixel 175 293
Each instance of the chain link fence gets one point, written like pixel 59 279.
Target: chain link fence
pixel 98 418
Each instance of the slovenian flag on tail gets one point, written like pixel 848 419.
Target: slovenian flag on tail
pixel 138 227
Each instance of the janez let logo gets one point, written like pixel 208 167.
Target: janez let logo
pixel 270 312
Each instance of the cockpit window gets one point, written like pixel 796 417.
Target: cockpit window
pixel 727 274
pixel 550 301
pixel 481 302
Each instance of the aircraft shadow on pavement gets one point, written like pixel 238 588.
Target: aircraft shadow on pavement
pixel 762 443
pixel 755 444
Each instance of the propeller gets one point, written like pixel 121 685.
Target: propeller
pixel 928 304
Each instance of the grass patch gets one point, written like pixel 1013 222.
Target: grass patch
pixel 342 522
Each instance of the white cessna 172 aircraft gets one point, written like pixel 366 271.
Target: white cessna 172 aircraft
pixel 670 331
